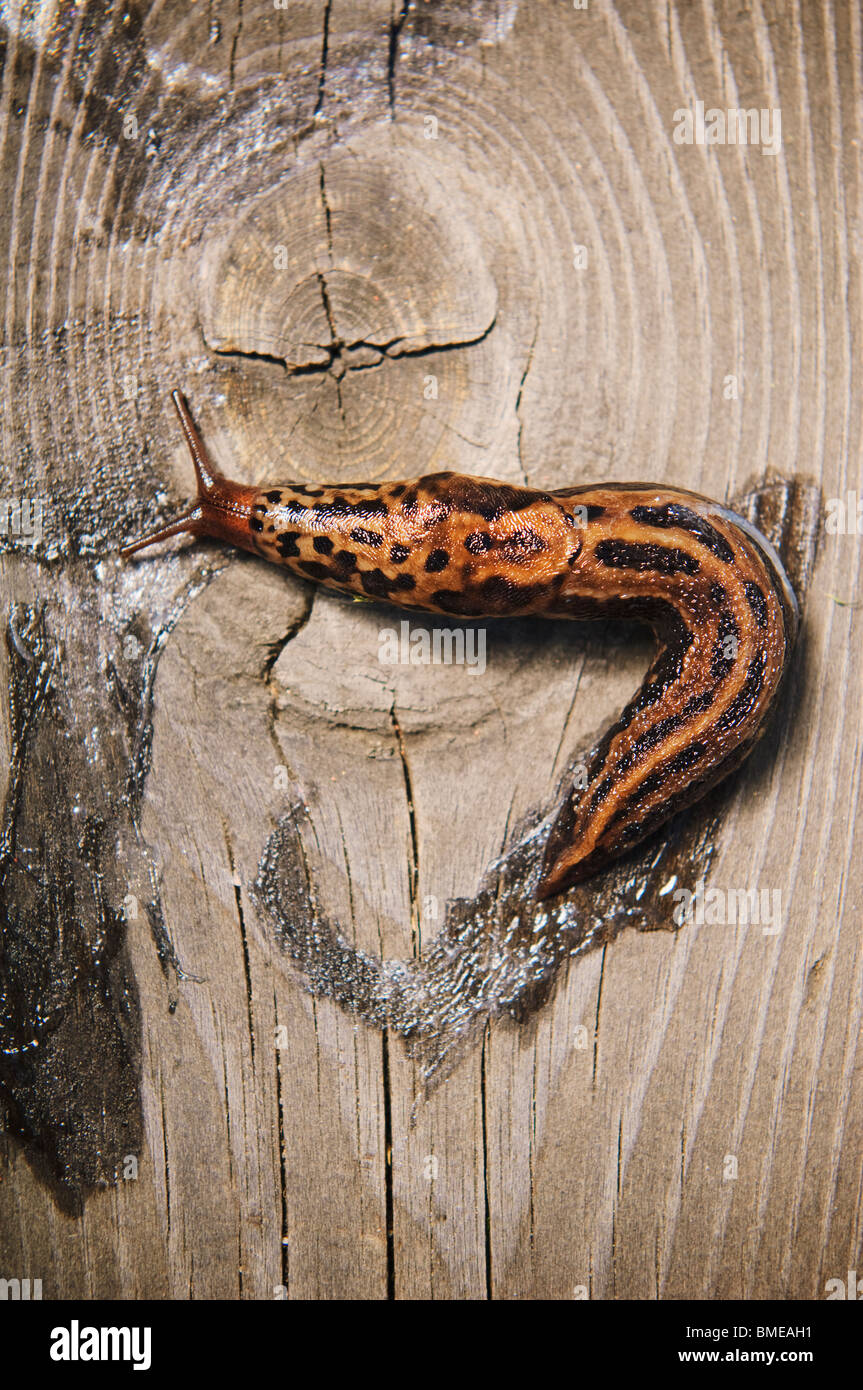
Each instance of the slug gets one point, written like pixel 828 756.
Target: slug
pixel 709 584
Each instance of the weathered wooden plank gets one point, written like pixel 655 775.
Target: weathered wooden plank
pixel 372 242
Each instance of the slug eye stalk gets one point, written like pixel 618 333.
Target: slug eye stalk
pixel 223 507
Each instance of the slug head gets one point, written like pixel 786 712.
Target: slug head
pixel 223 508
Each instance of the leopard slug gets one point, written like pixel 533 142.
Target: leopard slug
pixel 709 584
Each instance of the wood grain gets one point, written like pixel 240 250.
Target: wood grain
pixel 374 241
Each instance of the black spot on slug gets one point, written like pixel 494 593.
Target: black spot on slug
pixel 674 514
pixel 656 733
pixel 601 792
pixel 630 555
pixel 399 553
pixel 338 508
pixel 659 779
pixel 255 523
pixel 757 602
pixel 498 590
pixel 698 704
pixel 685 759
pixel 286 543
pixel 456 601
pixel 725 647
pixel 437 561
pixel 275 497
pixel 494 595
pixel 478 542
pixel 631 834
pixel 665 670
pixel 362 537
pixel 488 500
pixel 316 569
pixel 375 582
pixel 522 544
pixel 373 507
pixel 741 705
pixel 323 545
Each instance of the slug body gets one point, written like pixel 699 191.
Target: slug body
pixel 709 584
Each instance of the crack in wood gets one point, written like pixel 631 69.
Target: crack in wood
pixel 247 970
pixel 397 23
pixel 527 367
pixel 325 45
pixel 386 1082
pixel 285 1249
pixel 339 350
pixel 483 1100
pixel 238 29
pixel 414 856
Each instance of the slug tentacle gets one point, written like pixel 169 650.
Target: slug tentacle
pixel 223 507
pixel 708 583
pixel 186 525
